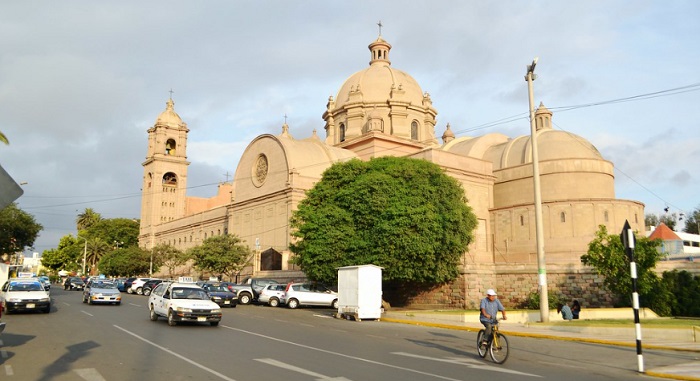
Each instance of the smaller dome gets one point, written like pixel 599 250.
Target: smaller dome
pixel 169 117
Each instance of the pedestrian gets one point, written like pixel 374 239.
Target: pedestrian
pixel 575 309
pixel 565 311
pixel 490 306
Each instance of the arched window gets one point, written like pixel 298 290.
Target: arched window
pixel 170 179
pixel 414 130
pixel 170 146
pixel 562 217
pixel 522 220
pixel 342 132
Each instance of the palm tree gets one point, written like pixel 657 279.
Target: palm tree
pixel 96 248
pixel 86 219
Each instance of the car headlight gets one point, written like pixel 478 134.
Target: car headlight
pixel 14 300
pixel 183 309
pixel 44 299
pixel 215 298
pixel 216 311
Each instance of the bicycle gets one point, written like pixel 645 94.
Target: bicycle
pixel 496 346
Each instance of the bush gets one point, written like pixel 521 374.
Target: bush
pixel 533 300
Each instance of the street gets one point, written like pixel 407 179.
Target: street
pixel 77 341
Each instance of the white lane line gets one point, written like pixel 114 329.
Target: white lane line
pixel 340 354
pixel 198 365
pixel 471 363
pixel 9 371
pixel 87 313
pixel 135 305
pixel 307 372
pixel 90 374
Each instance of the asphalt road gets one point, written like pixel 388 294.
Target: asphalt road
pixel 77 341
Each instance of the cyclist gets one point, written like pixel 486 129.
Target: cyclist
pixel 489 309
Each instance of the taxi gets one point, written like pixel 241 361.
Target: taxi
pixel 25 294
pixel 183 301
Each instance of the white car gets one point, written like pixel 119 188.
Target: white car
pixel 310 294
pixel 183 301
pixel 137 286
pixel 25 294
pixel 272 294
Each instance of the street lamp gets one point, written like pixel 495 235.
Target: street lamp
pixel 84 254
pixel 541 270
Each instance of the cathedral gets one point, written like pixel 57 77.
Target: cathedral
pixel 380 111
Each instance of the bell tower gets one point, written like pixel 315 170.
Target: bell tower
pixel 164 186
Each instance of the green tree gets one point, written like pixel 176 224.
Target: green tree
pixel 67 256
pixel 405 215
pixel 87 218
pixel 96 249
pixel 18 229
pixel 692 222
pixel 221 255
pixel 607 256
pixel 128 261
pixel 685 289
pixel 669 220
pixel 651 220
pixel 168 256
pixel 122 232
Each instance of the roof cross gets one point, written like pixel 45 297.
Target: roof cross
pixel 380 27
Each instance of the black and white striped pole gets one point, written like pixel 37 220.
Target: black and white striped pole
pixel 628 241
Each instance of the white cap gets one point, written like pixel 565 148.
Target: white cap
pixel 490 291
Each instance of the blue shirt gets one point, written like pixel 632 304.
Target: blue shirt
pixel 490 307
pixel 566 313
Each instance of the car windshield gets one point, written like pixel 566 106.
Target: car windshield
pixel 104 285
pixel 76 280
pixel 189 293
pixel 218 288
pixel 26 286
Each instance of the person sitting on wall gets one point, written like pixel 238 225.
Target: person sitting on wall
pixel 565 311
pixel 576 309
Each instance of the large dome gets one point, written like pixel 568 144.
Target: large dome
pixel 169 117
pixel 378 81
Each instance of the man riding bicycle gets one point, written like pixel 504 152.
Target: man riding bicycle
pixel 489 309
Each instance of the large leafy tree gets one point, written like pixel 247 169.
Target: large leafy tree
pixel 67 256
pixel 87 218
pixel 168 256
pixel 405 215
pixel 18 229
pixel 692 222
pixel 221 255
pixel 670 220
pixel 128 261
pixel 115 232
pixel 96 249
pixel 607 256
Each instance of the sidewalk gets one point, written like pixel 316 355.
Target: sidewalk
pixel 652 338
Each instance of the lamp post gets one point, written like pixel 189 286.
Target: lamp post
pixel 541 270
pixel 84 254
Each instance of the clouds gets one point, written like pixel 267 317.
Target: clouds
pixel 81 82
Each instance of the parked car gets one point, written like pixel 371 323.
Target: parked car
pixel 272 294
pixel 126 284
pixel 101 291
pixel 221 295
pixel 310 294
pixel 137 286
pixel 73 283
pixel 183 301
pixel 150 285
pixel 46 282
pixel 249 290
pixel 24 294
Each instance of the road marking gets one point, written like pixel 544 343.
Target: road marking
pixel 8 370
pixel 198 365
pixel 318 376
pixel 90 374
pixel 323 316
pixel 471 363
pixel 135 305
pixel 340 354
pixel 87 313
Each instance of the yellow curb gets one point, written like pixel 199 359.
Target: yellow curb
pixel 542 336
pixel 672 376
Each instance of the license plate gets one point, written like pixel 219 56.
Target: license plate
pixel 30 305
pixel 227 302
pixel 201 318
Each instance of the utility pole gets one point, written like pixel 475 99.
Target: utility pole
pixel 541 269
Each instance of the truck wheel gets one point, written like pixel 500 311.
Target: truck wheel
pixel 293 303
pixel 245 298
pixel 274 302
pixel 171 319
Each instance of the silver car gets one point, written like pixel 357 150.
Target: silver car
pixel 310 294
pixel 102 291
pixel 272 294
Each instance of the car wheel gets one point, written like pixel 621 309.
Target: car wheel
pixel 129 291
pixel 171 318
pixel 139 291
pixel 147 292
pixel 293 303
pixel 274 302
pixel 153 316
pixel 334 305
pixel 245 298
pixel 214 323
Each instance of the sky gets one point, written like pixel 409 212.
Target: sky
pixel 82 81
